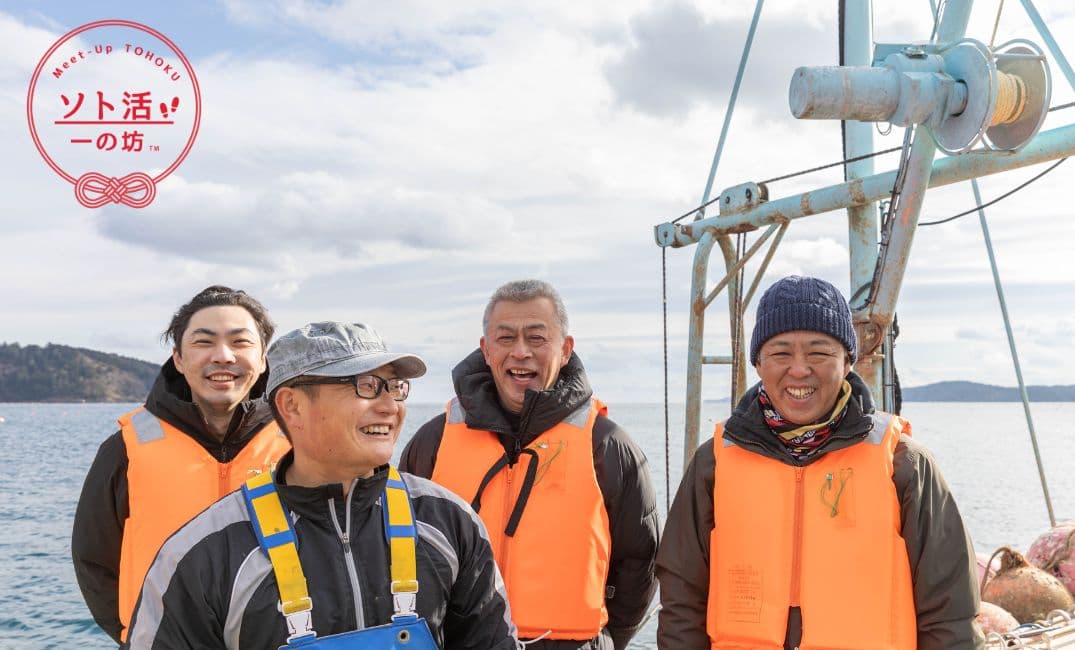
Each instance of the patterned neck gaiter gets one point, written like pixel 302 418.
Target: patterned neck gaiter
pixel 802 441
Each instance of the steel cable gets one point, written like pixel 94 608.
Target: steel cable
pixel 667 431
pixel 999 198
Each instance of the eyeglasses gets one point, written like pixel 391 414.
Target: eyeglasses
pixel 366 386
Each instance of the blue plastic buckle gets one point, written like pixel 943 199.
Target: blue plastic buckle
pixel 405 633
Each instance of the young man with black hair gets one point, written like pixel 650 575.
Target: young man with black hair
pixel 203 427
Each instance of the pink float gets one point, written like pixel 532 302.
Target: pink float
pixel 1054 552
pixel 992 618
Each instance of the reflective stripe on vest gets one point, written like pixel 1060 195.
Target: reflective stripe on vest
pixel 147 427
pixel 555 561
pixel 170 479
pixel 825 538
pixel 276 536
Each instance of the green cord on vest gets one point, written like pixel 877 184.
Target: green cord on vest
pixel 845 476
pixel 544 467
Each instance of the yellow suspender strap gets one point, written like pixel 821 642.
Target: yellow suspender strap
pixel 276 536
pixel 402 534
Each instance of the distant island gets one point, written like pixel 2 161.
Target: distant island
pixel 969 391
pixel 59 373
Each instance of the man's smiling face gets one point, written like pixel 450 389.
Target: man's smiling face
pixel 525 348
pixel 221 356
pixel 802 372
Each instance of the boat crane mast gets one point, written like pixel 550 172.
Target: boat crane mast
pixel 982 105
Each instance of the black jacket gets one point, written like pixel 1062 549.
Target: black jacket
pixel 942 558
pixel 212 586
pixel 622 474
pixel 102 510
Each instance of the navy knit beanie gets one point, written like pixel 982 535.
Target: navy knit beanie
pixel 797 303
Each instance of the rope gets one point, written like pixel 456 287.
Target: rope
pixel 737 312
pixel 710 202
pixel 1007 194
pixel 840 162
pixel 855 159
pixel 1011 99
pixel 896 196
pixel 889 218
pixel 844 475
pixel 667 435
pixel 936 20
pixel 996 24
pixel 1062 553
pixel 695 210
pixel 996 200
pixel 985 574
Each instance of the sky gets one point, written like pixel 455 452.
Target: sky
pixel 393 163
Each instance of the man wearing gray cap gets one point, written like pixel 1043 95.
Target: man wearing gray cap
pixel 336 548
pixel 812 520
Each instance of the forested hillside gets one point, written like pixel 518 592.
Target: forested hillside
pixel 60 373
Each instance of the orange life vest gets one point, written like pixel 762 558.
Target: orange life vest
pixel 824 538
pixel 554 555
pixel 170 479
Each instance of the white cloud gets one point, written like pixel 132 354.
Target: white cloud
pixel 393 27
pixel 21 46
pixel 438 153
pixel 677 59
pixel 305 215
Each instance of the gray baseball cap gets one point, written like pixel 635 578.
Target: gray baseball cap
pixel 330 349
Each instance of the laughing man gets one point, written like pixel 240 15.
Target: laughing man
pixel 812 520
pixel 335 548
pixel 203 428
pixel 564 491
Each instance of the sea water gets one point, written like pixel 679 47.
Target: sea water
pixel 983 450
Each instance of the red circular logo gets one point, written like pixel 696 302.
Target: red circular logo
pixel 114 108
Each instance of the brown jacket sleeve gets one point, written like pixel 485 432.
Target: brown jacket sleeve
pixel 939 548
pixel 683 557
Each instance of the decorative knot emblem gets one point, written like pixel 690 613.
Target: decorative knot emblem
pixel 94 190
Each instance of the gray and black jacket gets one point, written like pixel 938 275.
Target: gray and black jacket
pixel 942 558
pixel 103 508
pixel 211 586
pixel 620 466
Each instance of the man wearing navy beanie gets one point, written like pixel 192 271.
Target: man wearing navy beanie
pixel 826 524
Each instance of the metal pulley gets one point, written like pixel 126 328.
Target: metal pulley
pixel 1023 95
pixel 964 93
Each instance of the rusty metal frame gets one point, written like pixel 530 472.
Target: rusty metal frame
pixel 873 317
